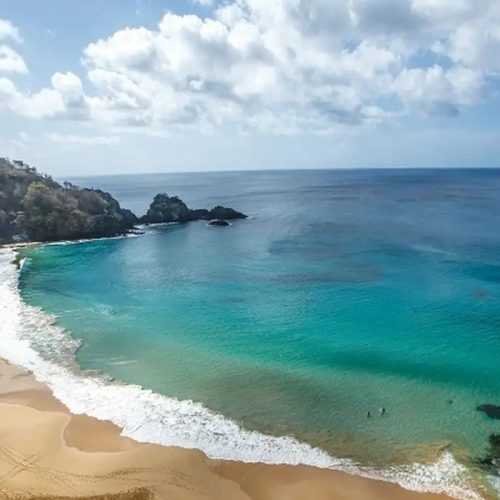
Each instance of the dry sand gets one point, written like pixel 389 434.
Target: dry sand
pixel 46 452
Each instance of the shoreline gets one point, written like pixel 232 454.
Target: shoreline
pixel 327 475
pixel 47 451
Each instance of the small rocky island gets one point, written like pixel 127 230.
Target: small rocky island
pixel 219 223
pixel 172 209
pixel 34 207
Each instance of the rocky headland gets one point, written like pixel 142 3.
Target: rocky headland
pixel 34 207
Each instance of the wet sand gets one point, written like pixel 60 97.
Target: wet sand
pixel 46 452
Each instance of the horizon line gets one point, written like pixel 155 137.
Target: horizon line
pixel 300 169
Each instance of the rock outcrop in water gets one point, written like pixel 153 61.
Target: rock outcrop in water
pixel 491 461
pixel 34 207
pixel 218 222
pixel 491 411
pixel 165 208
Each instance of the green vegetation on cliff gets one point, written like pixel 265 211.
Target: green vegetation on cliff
pixel 34 207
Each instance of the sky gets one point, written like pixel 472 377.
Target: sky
pixel 128 86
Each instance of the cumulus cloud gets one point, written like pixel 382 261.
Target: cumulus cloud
pixel 436 91
pixel 10 60
pixel 286 66
pixel 44 104
pixel 8 30
pixel 65 99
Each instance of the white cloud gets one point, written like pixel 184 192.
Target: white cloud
pixel 436 91
pixel 70 90
pixel 65 99
pixel 470 30
pixel 286 66
pixel 47 103
pixel 11 61
pixel 8 30
pixel 477 45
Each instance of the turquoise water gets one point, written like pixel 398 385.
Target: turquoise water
pixel 344 292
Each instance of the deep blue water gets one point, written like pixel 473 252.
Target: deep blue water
pixel 344 292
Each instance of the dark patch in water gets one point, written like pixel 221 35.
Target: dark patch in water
pixel 354 274
pixel 492 411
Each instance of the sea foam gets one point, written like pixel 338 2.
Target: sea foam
pixel 31 339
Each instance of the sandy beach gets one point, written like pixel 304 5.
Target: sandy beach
pixel 46 452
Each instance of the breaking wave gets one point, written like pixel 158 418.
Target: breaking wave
pixel 30 338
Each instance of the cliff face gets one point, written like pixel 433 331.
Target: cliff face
pixel 166 208
pixel 34 207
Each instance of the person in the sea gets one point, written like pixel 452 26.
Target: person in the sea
pixel 382 410
pixel 368 415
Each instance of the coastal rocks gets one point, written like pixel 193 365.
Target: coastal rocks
pixel 199 214
pixel 165 208
pixel 221 223
pixel 224 213
pixel 34 207
pixel 490 410
pixel 491 461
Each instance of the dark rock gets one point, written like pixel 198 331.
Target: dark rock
pixel 222 213
pixel 166 208
pixel 491 461
pixel 218 223
pixel 199 214
pixel 492 411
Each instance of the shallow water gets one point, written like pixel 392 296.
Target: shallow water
pixel 345 291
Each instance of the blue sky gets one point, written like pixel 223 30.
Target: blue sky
pixel 122 86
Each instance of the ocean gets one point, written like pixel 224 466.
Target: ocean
pixel 273 339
